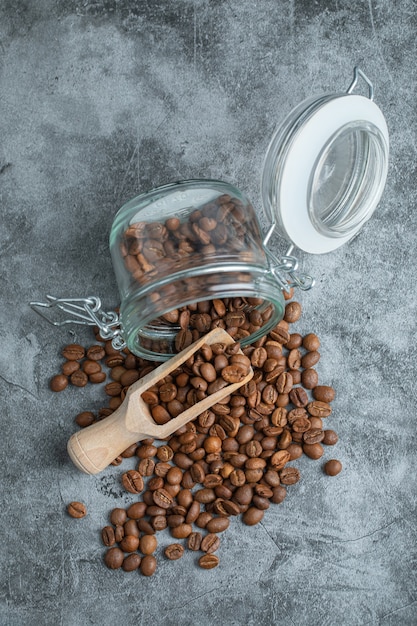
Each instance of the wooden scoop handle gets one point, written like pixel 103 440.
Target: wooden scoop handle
pixel 94 448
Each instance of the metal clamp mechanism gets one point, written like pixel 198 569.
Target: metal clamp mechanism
pixel 357 73
pixel 85 311
pixel 284 270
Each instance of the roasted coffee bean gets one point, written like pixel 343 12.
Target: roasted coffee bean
pixel 162 498
pixel 148 544
pixel 132 481
pixel 182 531
pixel 289 475
pixel 208 561
pixel 131 562
pixel 313 435
pixel 210 543
pixel 76 510
pixel 148 565
pixel 310 359
pixel 79 378
pixel 292 312
pixel 252 516
pixel 194 541
pixel 318 408
pixel 114 558
pixel 309 378
pixel 146 467
pixel 96 353
pixel 137 510
pixel 279 494
pixel 58 382
pixel 131 528
pixel 299 397
pixel 324 393
pixel 279 459
pixel 129 543
pixel 107 536
pixel 90 367
pixel 118 516
pixel 73 352
pixel 333 467
pixel 311 342
pixel 330 438
pixel 174 551
pixel 69 367
pixel 218 524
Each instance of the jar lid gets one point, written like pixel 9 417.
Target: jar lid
pixel 325 169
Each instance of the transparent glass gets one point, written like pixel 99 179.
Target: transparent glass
pixel 347 179
pixel 186 243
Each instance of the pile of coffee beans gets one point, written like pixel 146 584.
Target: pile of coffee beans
pixel 240 317
pixel 235 459
pixel 207 371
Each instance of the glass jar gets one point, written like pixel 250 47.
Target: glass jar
pixel 191 254
pixel 190 242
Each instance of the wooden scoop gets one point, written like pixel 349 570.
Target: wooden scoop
pixel 94 447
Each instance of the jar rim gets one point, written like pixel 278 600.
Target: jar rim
pixel 293 157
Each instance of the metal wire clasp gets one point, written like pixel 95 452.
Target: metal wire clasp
pixel 84 311
pixel 358 73
pixel 286 267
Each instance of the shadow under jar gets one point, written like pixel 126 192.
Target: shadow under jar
pixel 190 242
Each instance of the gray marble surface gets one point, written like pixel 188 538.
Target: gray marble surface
pixel 102 100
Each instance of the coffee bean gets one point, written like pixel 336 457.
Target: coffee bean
pixel 162 498
pixel 313 435
pixel 107 536
pixel 309 378
pixel 298 397
pixel 292 312
pixel 311 342
pixel 73 352
pixel 208 561
pixel 324 393
pixel 148 544
pixel 132 481
pixel 289 475
pixel 86 418
pixel 194 541
pixel 310 359
pixel 79 378
pixel 114 558
pixel 131 562
pixel 58 382
pixel 330 438
pixel 252 516
pixel 218 524
pixel 174 551
pixel 129 543
pixel 318 408
pixel 210 543
pixel 69 367
pixel 96 353
pixel 314 450
pixel 333 467
pixel 148 565
pixel 118 516
pixel 77 510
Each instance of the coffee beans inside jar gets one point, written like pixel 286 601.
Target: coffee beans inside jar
pixel 235 459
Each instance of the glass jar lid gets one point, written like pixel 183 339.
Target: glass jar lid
pixel 325 169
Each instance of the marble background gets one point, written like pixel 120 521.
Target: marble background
pixel 102 100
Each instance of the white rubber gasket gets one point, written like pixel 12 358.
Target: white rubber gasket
pixel 300 161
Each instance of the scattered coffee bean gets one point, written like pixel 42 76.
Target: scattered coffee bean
pixel 148 565
pixel 174 551
pixel 208 561
pixel 333 467
pixel 77 510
